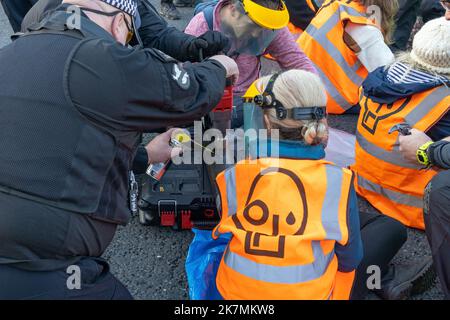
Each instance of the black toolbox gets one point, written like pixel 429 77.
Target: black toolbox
pixel 182 199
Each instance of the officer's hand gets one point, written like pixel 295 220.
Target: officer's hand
pixel 159 149
pixel 229 65
pixel 410 144
pixel 210 43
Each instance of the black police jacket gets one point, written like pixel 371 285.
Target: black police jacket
pixel 154 30
pixel 72 106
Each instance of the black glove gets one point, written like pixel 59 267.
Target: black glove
pixel 210 43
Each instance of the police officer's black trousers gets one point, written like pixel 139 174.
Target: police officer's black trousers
pixel 88 279
pixel 382 238
pixel 16 11
pixel 437 226
pixel 407 16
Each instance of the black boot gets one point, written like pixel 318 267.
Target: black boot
pixel 169 11
pixel 401 282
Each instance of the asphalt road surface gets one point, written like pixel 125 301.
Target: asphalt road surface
pixel 150 260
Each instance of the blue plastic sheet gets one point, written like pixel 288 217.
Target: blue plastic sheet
pixel 202 262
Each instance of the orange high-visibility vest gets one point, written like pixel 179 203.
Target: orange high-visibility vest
pixel 286 217
pixel 338 66
pixel 391 184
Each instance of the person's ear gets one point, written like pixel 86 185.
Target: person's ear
pixel 117 28
pixel 233 12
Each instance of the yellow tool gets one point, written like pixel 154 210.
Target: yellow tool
pixel 183 137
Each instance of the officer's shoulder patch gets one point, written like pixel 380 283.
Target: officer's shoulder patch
pixel 181 76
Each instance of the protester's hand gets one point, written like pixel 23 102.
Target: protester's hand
pixel 229 65
pixel 210 43
pixel 410 144
pixel 159 149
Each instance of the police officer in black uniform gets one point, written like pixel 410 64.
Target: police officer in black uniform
pixel 73 103
pixel 154 32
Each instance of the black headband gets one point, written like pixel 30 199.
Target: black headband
pixel 267 100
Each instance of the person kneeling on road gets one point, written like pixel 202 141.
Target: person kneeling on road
pixel 77 101
pixel 345 43
pixel 413 91
pixel 296 232
pixel 255 28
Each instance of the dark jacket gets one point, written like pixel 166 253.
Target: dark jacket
pixel 300 14
pixel 72 107
pixel 439 153
pixel 154 30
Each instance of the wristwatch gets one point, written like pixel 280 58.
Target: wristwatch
pixel 422 154
pixel 431 150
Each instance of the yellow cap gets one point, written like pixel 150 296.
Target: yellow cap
pixel 265 17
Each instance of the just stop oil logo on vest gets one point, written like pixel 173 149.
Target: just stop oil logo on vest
pixel 253 240
pixel 371 117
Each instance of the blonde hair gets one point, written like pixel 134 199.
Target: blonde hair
pixel 297 88
pixel 389 9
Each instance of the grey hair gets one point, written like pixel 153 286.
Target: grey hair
pixel 298 88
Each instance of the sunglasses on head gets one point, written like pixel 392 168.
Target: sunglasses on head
pixel 112 14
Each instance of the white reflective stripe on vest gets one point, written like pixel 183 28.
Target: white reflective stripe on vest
pixel 395 196
pixel 320 35
pixel 334 93
pixel 330 206
pixel 230 181
pixel 418 113
pixel 281 274
pixel 393 157
pixel 427 105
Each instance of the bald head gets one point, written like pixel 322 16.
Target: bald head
pixel 116 25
